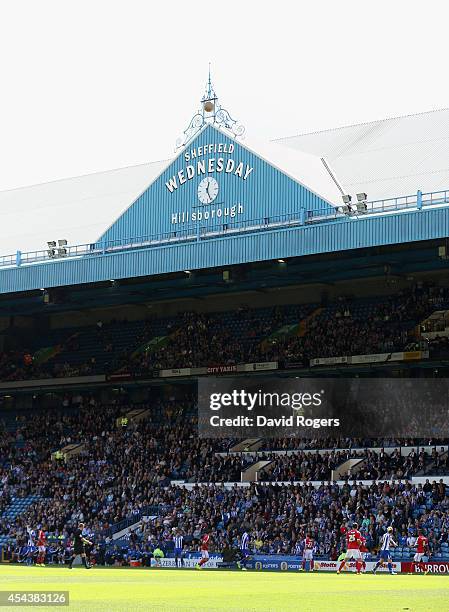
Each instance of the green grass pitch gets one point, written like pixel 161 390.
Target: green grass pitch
pixel 231 591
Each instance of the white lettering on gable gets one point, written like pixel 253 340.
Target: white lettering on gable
pixel 199 167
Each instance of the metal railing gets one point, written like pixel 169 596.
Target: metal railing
pixel 227 228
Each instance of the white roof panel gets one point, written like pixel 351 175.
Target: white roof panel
pixel 77 209
pixel 305 168
pixel 386 158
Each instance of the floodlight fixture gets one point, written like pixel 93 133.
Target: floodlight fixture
pixel 361 207
pixel 62 251
pixel 51 248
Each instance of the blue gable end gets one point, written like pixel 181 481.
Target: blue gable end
pixel 215 180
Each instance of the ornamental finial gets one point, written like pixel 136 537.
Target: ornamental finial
pixel 210 112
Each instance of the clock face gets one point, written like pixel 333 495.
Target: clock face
pixel 207 190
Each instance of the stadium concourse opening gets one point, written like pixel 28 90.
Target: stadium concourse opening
pixel 105 336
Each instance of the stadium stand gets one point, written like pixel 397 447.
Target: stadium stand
pixel 296 333
pixel 110 485
pixel 102 344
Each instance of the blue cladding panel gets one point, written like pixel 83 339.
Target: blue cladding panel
pixel 258 193
pixel 320 238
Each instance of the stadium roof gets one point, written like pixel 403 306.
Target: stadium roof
pixel 386 158
pixel 76 209
pixel 81 209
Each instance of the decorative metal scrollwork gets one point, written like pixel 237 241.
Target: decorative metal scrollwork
pixel 212 113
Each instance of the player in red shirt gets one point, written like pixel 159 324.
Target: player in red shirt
pixel 364 550
pixel 204 547
pixel 41 547
pixel 353 543
pixel 343 532
pixel 307 554
pixel 422 547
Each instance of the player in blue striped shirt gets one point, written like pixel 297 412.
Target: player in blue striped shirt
pixel 178 540
pixel 384 554
pixel 31 546
pixel 244 550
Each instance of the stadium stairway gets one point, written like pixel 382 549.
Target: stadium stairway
pixel 123 527
pixel 251 474
pixel 348 468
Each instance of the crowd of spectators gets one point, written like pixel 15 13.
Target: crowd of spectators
pixel 320 466
pixel 340 328
pixel 114 471
pixel 277 517
pixel 343 329
pixel 123 469
pixel 21 365
pixel 297 443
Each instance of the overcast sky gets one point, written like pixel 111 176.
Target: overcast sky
pixel 89 85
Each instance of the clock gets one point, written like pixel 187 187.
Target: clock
pixel 207 190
